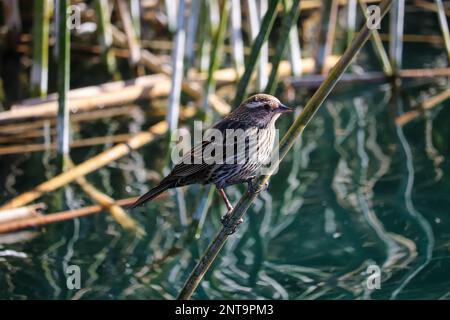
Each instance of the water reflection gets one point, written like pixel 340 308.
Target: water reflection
pixel 356 190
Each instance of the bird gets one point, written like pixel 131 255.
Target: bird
pixel 225 161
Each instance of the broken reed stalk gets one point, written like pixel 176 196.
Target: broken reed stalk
pixel 21 213
pixel 429 6
pixel 88 142
pixel 290 19
pixel 120 92
pixel 419 38
pixel 93 97
pixel 63 125
pixel 22 128
pixel 426 105
pixel 264 31
pixel 39 69
pixel 116 211
pixel 313 81
pixel 60 216
pixel 88 166
pixel 130 32
pixel 285 145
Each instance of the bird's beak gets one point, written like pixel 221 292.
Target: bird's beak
pixel 283 109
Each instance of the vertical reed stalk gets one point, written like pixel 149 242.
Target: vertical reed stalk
pixel 236 36
pixel 295 53
pixel 39 69
pixel 175 94
pixel 286 144
pixel 105 37
pixel 204 41
pixel 63 124
pixel 444 25
pixel 326 34
pixel 171 11
pixel 351 19
pixel 192 27
pixel 130 32
pixel 266 27
pixel 177 73
pixel 202 210
pixel 289 20
pixel 252 10
pixel 216 54
pixel 264 54
pixel 396 25
pixel 378 44
pixel 135 13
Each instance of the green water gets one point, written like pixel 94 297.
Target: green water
pixel 355 191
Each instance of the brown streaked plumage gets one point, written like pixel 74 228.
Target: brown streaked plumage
pixel 255 116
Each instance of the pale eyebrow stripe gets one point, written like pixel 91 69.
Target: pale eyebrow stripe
pixel 253 104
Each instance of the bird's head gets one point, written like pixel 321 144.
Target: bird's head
pixel 261 109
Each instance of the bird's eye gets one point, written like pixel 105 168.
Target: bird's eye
pixel 267 107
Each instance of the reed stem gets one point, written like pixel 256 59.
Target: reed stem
pixel 285 145
pixel 192 27
pixel 177 70
pixel 295 52
pixel 216 56
pixel 396 25
pixel 444 25
pixel 236 36
pixel 106 37
pixel 378 44
pixel 39 69
pixel 290 19
pixel 351 19
pixel 63 124
pixel 329 13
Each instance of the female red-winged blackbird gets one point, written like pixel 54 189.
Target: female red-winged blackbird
pixel 225 161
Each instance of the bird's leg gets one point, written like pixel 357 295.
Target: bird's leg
pixel 225 199
pixel 226 218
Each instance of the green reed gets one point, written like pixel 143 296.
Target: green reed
pixel 63 124
pixel 286 144
pixel 39 69
pixel 105 37
pixel 216 56
pixel 290 20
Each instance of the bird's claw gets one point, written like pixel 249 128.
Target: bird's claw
pixel 226 222
pixel 254 188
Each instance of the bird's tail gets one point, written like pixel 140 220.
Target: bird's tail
pixel 152 194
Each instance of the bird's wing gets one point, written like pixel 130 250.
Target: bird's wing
pixel 195 164
pixel 191 162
